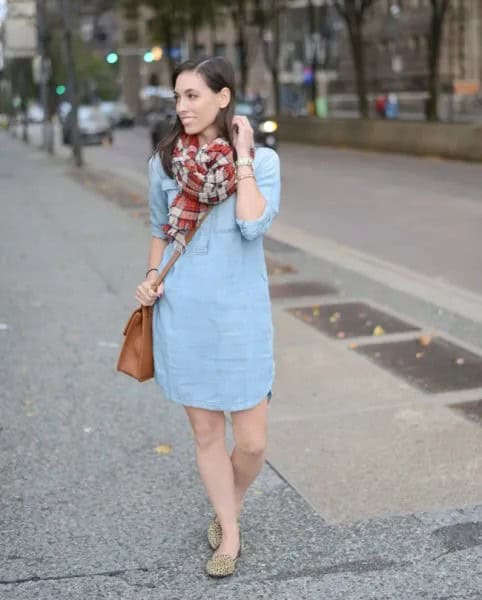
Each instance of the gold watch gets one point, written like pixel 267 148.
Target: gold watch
pixel 244 162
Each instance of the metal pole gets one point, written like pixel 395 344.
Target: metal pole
pixel 43 71
pixel 71 81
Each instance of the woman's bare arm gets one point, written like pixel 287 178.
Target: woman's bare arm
pixel 156 252
pixel 250 203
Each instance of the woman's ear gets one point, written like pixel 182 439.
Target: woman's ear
pixel 224 97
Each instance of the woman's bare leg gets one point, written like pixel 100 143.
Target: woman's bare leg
pixel 216 472
pixel 247 458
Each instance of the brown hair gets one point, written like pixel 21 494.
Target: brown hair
pixel 217 73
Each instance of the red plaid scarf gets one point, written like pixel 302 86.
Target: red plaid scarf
pixel 205 175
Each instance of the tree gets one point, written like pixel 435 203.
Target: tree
pixel 353 13
pixel 199 14
pixel 439 12
pixel 267 16
pixel 239 11
pixel 168 22
pixel 243 16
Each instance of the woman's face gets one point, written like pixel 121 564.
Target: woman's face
pixel 197 105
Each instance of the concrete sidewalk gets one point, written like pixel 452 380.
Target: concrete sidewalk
pixel 373 489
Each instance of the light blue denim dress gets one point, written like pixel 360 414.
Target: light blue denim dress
pixel 212 328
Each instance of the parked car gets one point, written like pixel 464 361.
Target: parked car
pixel 264 127
pixel 94 126
pixel 118 114
pixel 35 113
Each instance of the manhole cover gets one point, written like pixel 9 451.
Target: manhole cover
pixel 299 288
pixel 350 319
pixel 439 366
pixel 470 410
pixel 276 268
pixel 273 245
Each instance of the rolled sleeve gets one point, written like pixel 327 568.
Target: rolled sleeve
pixel 157 198
pixel 269 184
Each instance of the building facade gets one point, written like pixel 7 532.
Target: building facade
pixel 396 43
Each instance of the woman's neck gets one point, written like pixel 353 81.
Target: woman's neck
pixel 208 135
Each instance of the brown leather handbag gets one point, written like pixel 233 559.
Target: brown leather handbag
pixel 136 357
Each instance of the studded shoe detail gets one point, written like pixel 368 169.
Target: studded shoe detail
pixel 223 565
pixel 215 533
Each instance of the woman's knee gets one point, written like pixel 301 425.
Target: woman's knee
pixel 255 447
pixel 208 430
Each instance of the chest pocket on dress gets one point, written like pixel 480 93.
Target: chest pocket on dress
pixel 200 242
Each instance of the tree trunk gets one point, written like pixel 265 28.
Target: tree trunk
pixel 436 26
pixel 314 55
pixel 167 36
pixel 358 53
pixel 213 36
pixel 243 62
pixel 72 81
pixel 239 19
pixel 276 90
pixel 194 39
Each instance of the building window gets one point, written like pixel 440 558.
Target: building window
pixel 220 50
pixel 199 50
pixel 237 55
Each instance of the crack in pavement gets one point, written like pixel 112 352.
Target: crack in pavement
pixel 73 576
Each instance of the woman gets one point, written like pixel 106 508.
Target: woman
pixel 213 346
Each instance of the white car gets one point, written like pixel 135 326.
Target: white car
pixel 94 126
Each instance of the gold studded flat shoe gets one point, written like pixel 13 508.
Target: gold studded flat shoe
pixel 215 533
pixel 223 565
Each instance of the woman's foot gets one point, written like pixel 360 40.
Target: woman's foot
pixel 223 562
pixel 230 544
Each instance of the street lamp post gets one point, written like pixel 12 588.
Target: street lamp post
pixel 44 77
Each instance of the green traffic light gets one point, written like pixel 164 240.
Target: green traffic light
pixel 148 57
pixel 112 58
pixel 60 90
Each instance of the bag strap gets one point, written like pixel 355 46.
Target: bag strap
pixel 177 253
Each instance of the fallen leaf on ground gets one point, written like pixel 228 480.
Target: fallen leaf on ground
pixel 353 345
pixel 378 330
pixel 316 311
pixel 335 317
pixel 163 449
pixel 460 361
pixel 425 340
pixel 419 355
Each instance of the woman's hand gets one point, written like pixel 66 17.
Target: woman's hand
pixel 145 295
pixel 243 136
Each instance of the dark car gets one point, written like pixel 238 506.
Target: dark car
pixel 94 126
pixel 161 121
pixel 265 128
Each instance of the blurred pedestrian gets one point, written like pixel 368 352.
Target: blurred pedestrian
pixel 212 329
pixel 392 107
pixel 380 105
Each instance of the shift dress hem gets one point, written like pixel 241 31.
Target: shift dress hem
pixel 268 395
